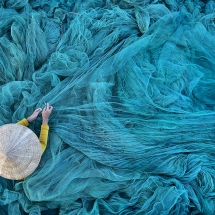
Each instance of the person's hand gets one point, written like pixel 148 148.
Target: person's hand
pixel 46 113
pixel 34 115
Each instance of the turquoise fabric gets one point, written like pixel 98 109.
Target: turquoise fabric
pixel 132 83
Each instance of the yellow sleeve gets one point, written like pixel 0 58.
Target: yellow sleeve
pixel 44 136
pixel 23 122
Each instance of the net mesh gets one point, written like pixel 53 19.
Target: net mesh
pixel 132 86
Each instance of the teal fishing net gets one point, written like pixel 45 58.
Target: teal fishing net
pixel 132 83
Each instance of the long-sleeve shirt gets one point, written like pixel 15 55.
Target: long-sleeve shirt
pixel 43 133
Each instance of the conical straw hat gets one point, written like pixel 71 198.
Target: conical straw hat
pixel 20 151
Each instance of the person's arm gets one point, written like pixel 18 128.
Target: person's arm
pixel 44 136
pixel 34 115
pixel 23 122
pixel 44 127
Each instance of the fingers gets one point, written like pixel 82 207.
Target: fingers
pixel 48 107
pixel 46 104
pixel 38 109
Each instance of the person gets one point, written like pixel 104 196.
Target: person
pixel 46 112
pixel 20 148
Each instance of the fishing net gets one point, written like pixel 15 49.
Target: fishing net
pixel 132 84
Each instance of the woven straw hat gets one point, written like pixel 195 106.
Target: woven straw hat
pixel 20 151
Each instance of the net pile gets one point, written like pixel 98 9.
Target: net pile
pixel 132 84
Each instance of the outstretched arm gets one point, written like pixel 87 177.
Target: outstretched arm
pixel 44 127
pixel 33 116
